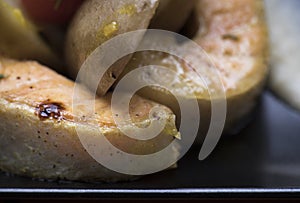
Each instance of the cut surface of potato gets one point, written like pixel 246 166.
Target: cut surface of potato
pixel 39 128
pixel 234 36
pixel 96 22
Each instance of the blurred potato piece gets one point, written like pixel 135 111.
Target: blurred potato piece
pixel 20 39
pixel 284 21
pixel 38 145
pixel 100 20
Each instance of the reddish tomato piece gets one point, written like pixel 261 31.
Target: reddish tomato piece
pixel 51 11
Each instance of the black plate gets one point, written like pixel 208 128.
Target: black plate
pixel 262 161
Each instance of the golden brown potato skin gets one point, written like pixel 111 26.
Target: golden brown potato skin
pixel 98 21
pixel 235 37
pixel 36 146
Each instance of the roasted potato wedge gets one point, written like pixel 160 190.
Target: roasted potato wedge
pixel 98 21
pixel 38 126
pixel 235 37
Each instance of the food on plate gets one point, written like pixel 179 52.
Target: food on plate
pixel 38 126
pixel 20 39
pixel 283 19
pixel 235 37
pixel 38 121
pixel 98 21
pixel 172 14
